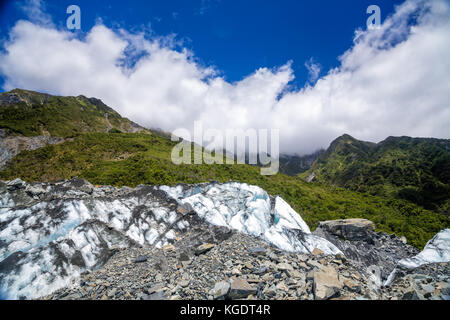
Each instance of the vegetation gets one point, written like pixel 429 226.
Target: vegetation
pixel 414 169
pixel 130 159
pixel 40 114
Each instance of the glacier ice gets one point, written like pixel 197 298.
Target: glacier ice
pixel 436 250
pixel 248 209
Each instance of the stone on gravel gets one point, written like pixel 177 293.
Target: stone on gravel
pixel 326 283
pixel 221 289
pixel 257 251
pixel 317 252
pixel 203 248
pixel 140 259
pixel 240 288
pixel 155 296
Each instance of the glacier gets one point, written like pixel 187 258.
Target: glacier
pixel 50 233
pixel 436 250
pixel 249 209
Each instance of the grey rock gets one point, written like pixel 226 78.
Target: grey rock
pixel 412 294
pixel 284 267
pixel 350 229
pixel 15 184
pixel 326 283
pixel 240 288
pixel 111 293
pixel 12 145
pixel 154 288
pixel 36 190
pixel 140 259
pixel 261 270
pixel 221 289
pixel 257 251
pixel 203 248
pixel 160 295
pixel 184 283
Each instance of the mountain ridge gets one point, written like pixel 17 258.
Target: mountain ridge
pixel 414 169
pixel 29 113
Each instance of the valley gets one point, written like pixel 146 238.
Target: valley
pixel 99 193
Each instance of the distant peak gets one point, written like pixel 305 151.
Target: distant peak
pixel 343 139
pixel 345 136
pixel 23 96
pixel 26 92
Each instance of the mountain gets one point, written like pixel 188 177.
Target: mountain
pixel 414 169
pixel 29 113
pixel 30 120
pixel 294 164
pixel 132 158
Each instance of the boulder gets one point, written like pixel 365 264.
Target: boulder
pixel 349 229
pixel 184 283
pixel 35 190
pixel 240 288
pixel 15 184
pixel 168 247
pixel 351 285
pixel 326 283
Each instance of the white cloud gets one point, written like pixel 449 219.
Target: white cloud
pixel 35 11
pixel 313 70
pixel 395 80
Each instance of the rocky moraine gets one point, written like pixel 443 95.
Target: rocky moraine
pixel 73 240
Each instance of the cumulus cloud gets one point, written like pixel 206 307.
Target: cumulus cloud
pixel 394 80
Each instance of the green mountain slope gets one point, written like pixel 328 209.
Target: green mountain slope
pixel 130 159
pixel 30 113
pixel 415 169
pixel 119 159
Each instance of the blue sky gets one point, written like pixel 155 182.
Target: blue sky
pixel 311 69
pixel 236 37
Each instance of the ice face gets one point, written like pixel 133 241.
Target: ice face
pixel 436 250
pixel 248 209
pixel 43 246
pixel 46 243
